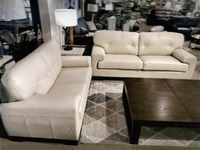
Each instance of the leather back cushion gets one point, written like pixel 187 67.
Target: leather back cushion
pixel 159 43
pixel 193 21
pixel 35 74
pixel 81 23
pixel 117 42
pixel 180 21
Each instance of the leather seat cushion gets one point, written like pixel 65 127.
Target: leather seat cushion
pixel 163 63
pixel 184 30
pixel 120 62
pixel 74 75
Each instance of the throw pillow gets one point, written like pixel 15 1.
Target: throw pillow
pixel 84 30
pixel 91 25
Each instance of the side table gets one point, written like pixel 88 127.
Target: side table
pixel 195 39
pixel 77 50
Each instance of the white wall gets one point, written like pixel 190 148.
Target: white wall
pixel 49 28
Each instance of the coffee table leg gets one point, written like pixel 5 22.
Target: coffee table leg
pixel 136 128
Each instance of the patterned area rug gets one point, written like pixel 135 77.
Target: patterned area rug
pixel 104 122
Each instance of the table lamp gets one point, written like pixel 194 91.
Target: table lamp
pixel 108 7
pixel 66 18
pixel 92 8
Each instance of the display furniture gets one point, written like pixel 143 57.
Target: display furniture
pixel 157 29
pixel 161 103
pixel 184 25
pixel 44 95
pixel 160 16
pixel 195 41
pixel 77 50
pixel 145 54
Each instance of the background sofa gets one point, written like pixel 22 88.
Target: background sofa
pixel 160 16
pixel 146 54
pixel 184 25
pixel 44 95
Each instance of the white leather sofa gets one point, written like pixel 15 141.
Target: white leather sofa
pixel 46 94
pixel 146 54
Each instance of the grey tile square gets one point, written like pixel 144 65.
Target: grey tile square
pixel 99 98
pixel 98 112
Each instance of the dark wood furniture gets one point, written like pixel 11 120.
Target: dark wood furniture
pixel 195 38
pixel 160 102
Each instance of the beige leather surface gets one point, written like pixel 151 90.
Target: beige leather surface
pixel 74 75
pixel 186 57
pixel 97 54
pixel 117 42
pixel 54 97
pixel 159 43
pixel 35 74
pixel 163 63
pixel 45 116
pixel 75 61
pixel 156 44
pixel 113 61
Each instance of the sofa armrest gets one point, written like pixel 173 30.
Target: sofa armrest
pixel 46 116
pixel 186 57
pixel 98 53
pixel 44 105
pixel 76 61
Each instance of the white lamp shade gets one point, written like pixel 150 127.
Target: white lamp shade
pixel 109 7
pixel 92 8
pixel 12 10
pixel 66 17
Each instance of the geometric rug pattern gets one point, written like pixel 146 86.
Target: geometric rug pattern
pixel 105 123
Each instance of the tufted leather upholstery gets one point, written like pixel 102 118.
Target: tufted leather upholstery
pixel 147 54
pixel 47 94
pixel 159 43
pixel 43 67
pixel 114 45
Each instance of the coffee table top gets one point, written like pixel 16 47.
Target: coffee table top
pixel 163 99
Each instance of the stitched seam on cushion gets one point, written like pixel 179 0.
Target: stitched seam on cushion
pixel 48 67
pixel 11 79
pixel 27 126
pixel 52 128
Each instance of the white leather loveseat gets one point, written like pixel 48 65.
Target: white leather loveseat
pixel 46 94
pixel 146 54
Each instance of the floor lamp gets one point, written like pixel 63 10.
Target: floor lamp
pixel 66 18
pixel 92 8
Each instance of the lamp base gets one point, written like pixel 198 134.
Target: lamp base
pixel 67 47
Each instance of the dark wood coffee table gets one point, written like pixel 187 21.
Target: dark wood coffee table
pixel 160 102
